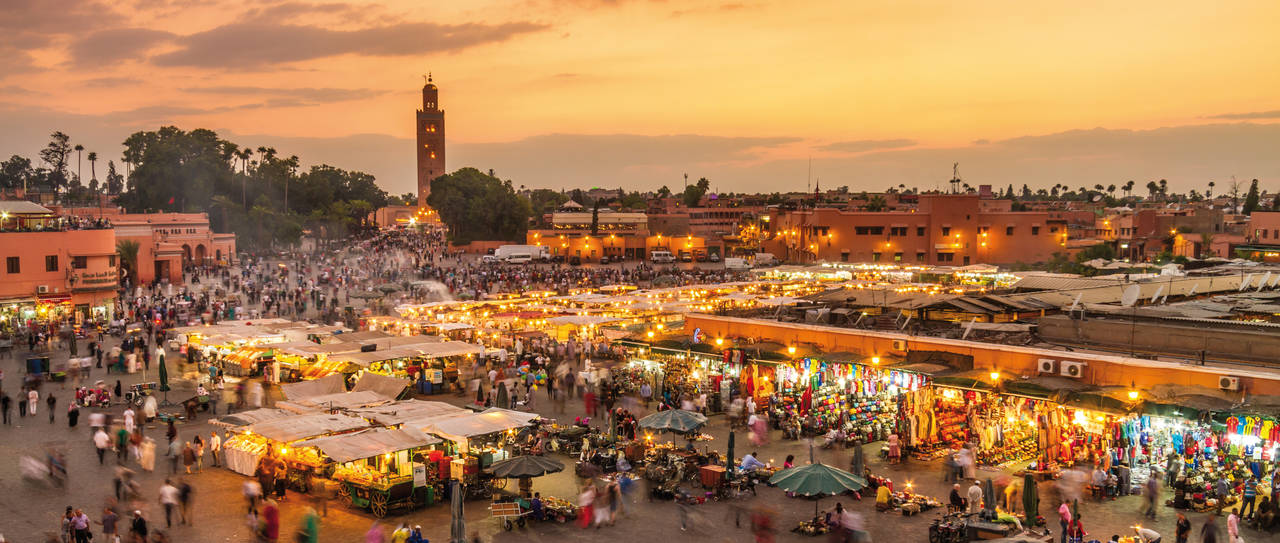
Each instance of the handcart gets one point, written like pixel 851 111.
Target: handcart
pixel 510 513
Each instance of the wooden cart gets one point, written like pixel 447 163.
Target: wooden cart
pixel 382 497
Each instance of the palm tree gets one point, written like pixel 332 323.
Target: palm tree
pixel 1209 193
pixel 1164 187
pixel 1128 188
pixel 1111 189
pixel 79 164
pixel 127 250
pixel 1098 187
pixel 93 163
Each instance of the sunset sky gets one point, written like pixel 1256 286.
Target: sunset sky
pixel 635 93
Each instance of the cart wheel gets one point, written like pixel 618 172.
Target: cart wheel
pixel 500 483
pixel 520 522
pixel 344 494
pixel 378 504
pixel 507 525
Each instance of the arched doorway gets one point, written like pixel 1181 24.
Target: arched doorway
pixel 217 255
pixel 186 254
pixel 201 254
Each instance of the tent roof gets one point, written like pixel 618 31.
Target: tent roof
pixel 291 429
pixel 331 384
pixel 490 421
pixel 253 416
pixel 338 400
pixel 383 385
pixel 368 443
pixel 395 413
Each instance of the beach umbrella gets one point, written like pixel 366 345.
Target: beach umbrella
pixel 502 395
pixel 458 524
pixel 1030 498
pixel 817 480
pixel 989 497
pixel 674 420
pixel 729 459
pixel 859 461
pixel 164 379
pixel 526 466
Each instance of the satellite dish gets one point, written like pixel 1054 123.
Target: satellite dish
pixel 1263 282
pixel 1245 283
pixel 1097 197
pixel 1131 295
pixel 1156 296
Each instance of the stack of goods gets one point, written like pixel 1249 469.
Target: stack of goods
pixel 558 510
pixel 827 401
pixel 953 423
pixel 872 417
pixel 911 503
pixel 815 527
pixel 930 451
pixel 1013 450
pixel 356 473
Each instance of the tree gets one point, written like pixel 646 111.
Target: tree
pixel 694 193
pixel 664 192
pixel 595 218
pixel 1251 199
pixel 1111 190
pixel 1128 188
pixel 1164 187
pixel 1102 250
pixel 79 163
pixel 55 154
pixel 875 203
pixel 1008 193
pixel 115 181
pixel 634 201
pixel 93 171
pixel 475 206
pixel 127 250
pixel 1209 193
pixel 542 201
pixel 16 172
pixel 1152 188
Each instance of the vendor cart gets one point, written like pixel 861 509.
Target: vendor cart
pixel 381 497
pixel 510 513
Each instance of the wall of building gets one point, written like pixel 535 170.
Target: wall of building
pixel 1010 361
pixel 93 284
pixel 1238 343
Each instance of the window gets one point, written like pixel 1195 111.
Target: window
pixel 79 262
pixel 898 231
pixel 12 265
pixel 875 257
pixel 1053 229
pixel 1264 234
pixel 868 230
pixel 946 257
pixel 897 257
pixel 111 261
pixel 920 231
pixel 1008 230
pixel 1035 230
pixel 844 256
pixel 919 256
pixel 946 231
pixel 51 263
pixel 983 229
pixel 966 260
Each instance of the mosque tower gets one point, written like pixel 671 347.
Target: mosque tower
pixel 430 128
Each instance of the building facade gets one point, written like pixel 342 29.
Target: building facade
pixel 944 229
pixel 55 270
pixel 430 130
pixel 167 242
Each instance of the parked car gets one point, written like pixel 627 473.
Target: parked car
pixel 661 257
pixel 488 259
pixel 604 260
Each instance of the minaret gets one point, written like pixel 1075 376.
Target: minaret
pixel 430 128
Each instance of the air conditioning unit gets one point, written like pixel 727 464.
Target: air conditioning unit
pixel 1048 365
pixel 1229 383
pixel 899 344
pixel 1074 370
pixel 42 289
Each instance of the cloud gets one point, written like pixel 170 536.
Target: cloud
pixel 257 44
pixel 300 96
pixel 107 47
pixel 14 90
pixel 1252 115
pixel 862 146
pixel 108 82
pixel 30 24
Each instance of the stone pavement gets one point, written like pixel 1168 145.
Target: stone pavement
pixel 28 509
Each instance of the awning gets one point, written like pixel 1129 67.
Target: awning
pixel 368 443
pixel 254 416
pixel 383 385
pixel 290 429
pixel 479 424
pixel 331 384
pixel 339 400
pixel 396 413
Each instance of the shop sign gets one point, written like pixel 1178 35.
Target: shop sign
pixel 419 474
pixel 109 277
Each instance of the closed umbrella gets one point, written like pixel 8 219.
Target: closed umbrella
pixel 458 524
pixel 729 460
pixel 989 498
pixel 164 379
pixel 859 461
pixel 1030 498
pixel 817 480
pixel 674 420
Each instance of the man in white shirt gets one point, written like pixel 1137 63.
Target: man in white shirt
pixel 215 447
pixel 975 497
pixel 169 499
pixel 749 462
pixel 102 441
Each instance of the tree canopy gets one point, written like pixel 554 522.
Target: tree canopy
pixel 477 206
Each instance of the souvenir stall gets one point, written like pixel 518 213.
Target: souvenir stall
pixel 1234 447
pixel 381 469
pixel 273 438
pixel 865 402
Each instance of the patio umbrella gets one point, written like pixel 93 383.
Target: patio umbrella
pixel 526 466
pixel 674 420
pixel 164 379
pixel 388 289
pixel 729 459
pixel 1030 498
pixel 817 480
pixel 458 524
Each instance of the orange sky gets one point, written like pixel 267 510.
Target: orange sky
pixel 851 84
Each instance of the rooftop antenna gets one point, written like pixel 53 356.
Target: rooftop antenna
pixel 686 181
pixel 955 178
pixel 808 176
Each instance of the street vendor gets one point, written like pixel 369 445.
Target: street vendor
pixel 750 463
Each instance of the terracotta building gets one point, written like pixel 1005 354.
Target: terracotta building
pixel 55 268
pixel 167 242
pixel 1142 234
pixel 944 229
pixel 430 128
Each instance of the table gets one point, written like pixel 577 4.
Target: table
pixel 711 476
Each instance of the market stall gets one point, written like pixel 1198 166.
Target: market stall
pixel 272 437
pixel 380 469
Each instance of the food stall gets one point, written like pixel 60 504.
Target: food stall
pixel 273 437
pixel 381 469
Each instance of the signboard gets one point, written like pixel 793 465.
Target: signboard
pixel 419 474
pixel 436 376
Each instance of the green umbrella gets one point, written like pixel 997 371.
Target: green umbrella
pixel 817 480
pixel 729 459
pixel 526 466
pixel 1030 499
pixel 164 375
pixel 674 420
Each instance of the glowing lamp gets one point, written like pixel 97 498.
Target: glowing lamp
pixel 791 349
pixel 995 376
pixel 1133 394
pixel 875 360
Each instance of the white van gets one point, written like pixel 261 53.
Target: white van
pixel 765 259
pixel 505 252
pixel 736 264
pixel 519 258
pixel 661 257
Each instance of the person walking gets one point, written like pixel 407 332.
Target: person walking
pixel 169 500
pixel 138 528
pixel 5 404
pixel 185 494
pixel 103 442
pixel 188 456
pixel 1250 496
pixel 215 448
pixel 110 530
pixel 1209 531
pixel 1183 529
pixel 1233 526
pixel 1064 519
pixel 1152 495
pixel 174 452
pixel 52 402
